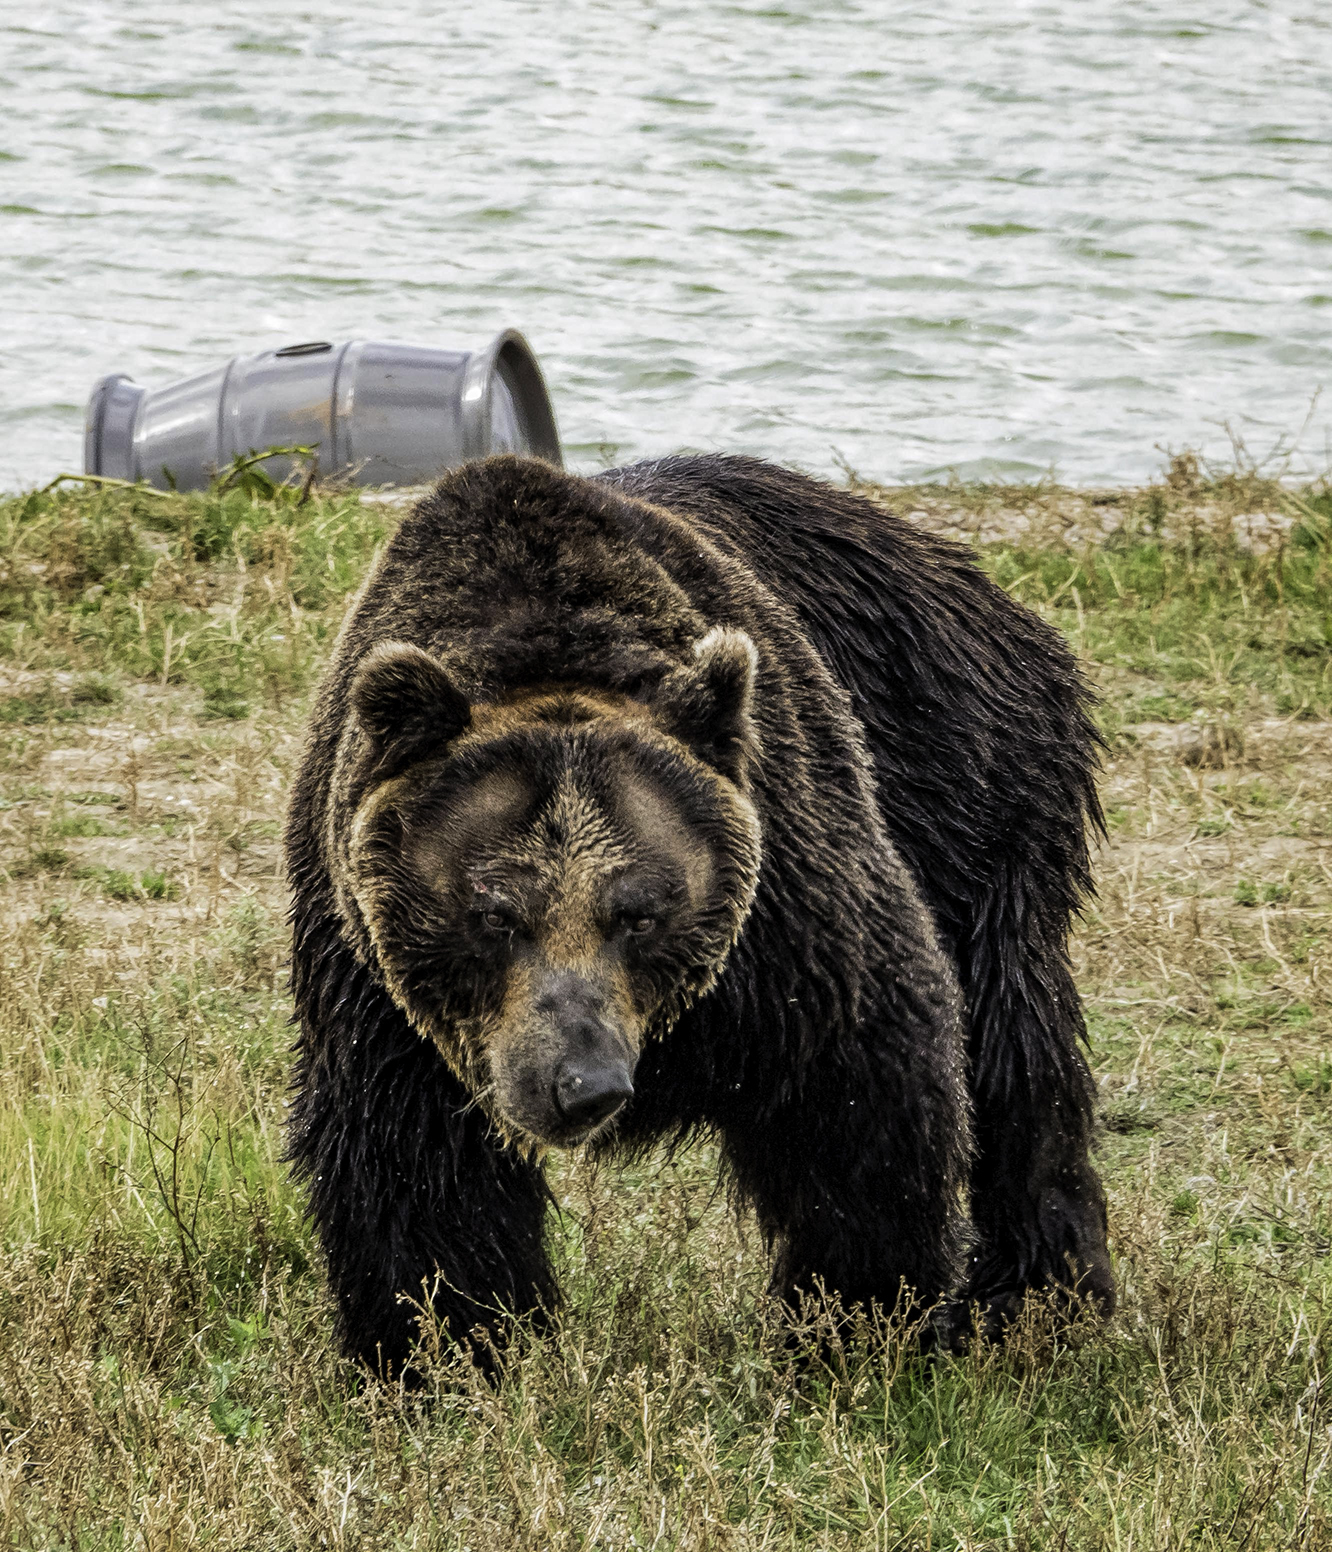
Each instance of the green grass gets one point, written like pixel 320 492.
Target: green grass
pixel 166 1375
pixel 1197 629
pixel 228 593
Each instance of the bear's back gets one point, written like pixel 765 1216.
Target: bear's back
pixel 974 713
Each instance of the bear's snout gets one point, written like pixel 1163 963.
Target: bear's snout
pixel 594 1079
pixel 590 1092
pixel 572 1066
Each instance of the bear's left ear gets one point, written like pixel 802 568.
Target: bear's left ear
pixel 708 704
pixel 407 705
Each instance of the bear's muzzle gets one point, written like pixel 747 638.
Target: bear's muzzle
pixel 571 1068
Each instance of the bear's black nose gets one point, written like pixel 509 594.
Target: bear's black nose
pixel 587 1092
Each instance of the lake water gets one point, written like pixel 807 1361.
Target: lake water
pixel 993 238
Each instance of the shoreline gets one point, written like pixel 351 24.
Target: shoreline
pixel 1245 508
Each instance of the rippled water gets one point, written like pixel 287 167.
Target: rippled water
pixel 988 237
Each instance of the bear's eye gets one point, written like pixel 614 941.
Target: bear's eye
pixel 640 926
pixel 496 920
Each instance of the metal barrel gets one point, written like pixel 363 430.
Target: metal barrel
pixel 378 414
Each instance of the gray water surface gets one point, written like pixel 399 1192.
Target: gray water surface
pixel 992 238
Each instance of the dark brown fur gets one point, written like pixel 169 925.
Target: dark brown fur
pixel 553 689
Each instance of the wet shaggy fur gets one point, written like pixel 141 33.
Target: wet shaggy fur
pixel 895 1028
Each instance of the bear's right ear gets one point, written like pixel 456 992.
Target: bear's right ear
pixel 407 705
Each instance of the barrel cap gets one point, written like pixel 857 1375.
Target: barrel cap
pixel 108 426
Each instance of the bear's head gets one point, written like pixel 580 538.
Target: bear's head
pixel 547 880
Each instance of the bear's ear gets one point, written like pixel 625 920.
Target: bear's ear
pixel 708 704
pixel 406 704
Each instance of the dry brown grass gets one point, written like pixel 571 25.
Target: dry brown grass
pixel 166 1379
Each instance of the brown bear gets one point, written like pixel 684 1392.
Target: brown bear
pixel 698 797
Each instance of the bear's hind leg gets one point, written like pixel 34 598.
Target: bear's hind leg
pixel 1036 1201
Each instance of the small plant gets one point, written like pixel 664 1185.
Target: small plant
pixel 117 884
pixel 222 702
pixel 1249 893
pixel 83 825
pixel 157 886
pixel 247 474
pixel 1314 1078
pixel 232 1420
pixel 149 885
pixel 94 690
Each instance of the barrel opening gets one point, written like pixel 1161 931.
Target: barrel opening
pixel 517 370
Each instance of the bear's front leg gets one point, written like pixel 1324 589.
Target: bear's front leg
pixel 858 1174
pixel 412 1197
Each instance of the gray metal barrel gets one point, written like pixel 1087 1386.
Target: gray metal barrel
pixel 379 414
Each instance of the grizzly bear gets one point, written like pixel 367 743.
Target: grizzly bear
pixel 695 798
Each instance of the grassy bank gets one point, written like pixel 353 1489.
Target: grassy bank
pixel 165 1373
